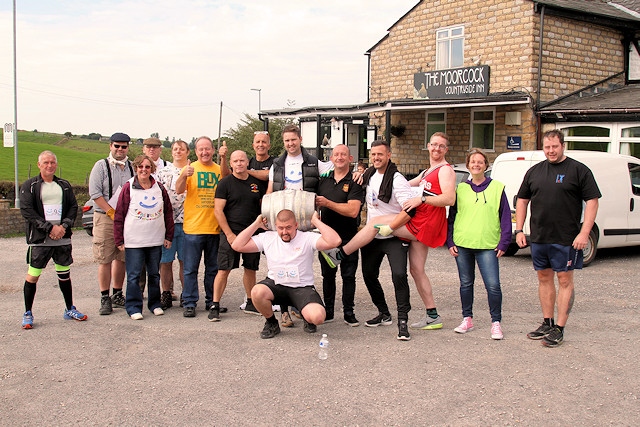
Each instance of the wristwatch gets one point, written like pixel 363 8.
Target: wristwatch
pixel 65 225
pixel 424 198
pixel 518 231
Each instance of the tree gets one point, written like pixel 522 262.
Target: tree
pixel 155 135
pixel 241 137
pixel 68 134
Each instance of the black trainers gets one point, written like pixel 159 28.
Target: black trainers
pixel 208 305
pixel 542 331
pixel 251 309
pixel 105 305
pixel 214 314
pixel 165 300
pixel 350 319
pixel 309 327
pixel 270 330
pixel 380 319
pixel 553 338
pixel 403 331
pixel 189 312
pixel 117 299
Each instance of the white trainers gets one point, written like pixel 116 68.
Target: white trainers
pixel 136 316
pixel 496 331
pixel 465 326
pixel 158 311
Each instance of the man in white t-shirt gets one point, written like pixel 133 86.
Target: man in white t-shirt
pixel 296 169
pixel 290 256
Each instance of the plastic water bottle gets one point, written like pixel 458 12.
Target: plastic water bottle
pixel 324 347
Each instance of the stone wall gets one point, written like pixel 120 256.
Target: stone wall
pixel 503 34
pixel 576 55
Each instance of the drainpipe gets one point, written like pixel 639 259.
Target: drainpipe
pixel 387 127
pixel 538 100
pixel 368 76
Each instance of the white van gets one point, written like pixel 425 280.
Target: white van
pixel 618 177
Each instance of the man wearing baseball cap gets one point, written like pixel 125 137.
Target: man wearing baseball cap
pixel 105 182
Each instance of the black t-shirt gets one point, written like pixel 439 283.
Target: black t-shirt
pixel 557 192
pixel 264 165
pixel 242 201
pixel 340 192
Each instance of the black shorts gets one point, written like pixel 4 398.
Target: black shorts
pixel 296 297
pixel 39 256
pixel 228 259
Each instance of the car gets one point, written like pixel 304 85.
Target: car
pixel 617 222
pixel 87 217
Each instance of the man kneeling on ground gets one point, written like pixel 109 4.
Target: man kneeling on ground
pixel 290 255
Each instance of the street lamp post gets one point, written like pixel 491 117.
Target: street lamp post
pixel 259 99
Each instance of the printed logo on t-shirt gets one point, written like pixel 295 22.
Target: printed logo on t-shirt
pixel 207 180
pixel 559 179
pixel 254 188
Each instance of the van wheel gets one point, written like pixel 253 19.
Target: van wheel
pixel 589 252
pixel 512 249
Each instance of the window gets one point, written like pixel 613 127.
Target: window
pixel 450 48
pixel 630 141
pixel 634 173
pixel 434 122
pixel 593 138
pixel 482 129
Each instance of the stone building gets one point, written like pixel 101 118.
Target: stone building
pixel 495 74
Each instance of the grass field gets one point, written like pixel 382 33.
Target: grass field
pixel 76 156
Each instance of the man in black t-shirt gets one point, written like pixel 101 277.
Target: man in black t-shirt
pixel 260 164
pixel 340 200
pixel 556 189
pixel 237 205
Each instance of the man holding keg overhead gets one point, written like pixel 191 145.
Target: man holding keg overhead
pixel 290 255
pixel 296 169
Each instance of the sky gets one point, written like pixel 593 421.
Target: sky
pixel 145 66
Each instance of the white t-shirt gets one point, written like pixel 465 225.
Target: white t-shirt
pixel 290 263
pixel 293 171
pixel 401 193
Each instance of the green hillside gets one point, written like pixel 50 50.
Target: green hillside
pixel 76 156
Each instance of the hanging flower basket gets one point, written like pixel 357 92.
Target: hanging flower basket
pixel 397 130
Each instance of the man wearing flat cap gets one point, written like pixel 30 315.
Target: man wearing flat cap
pixel 105 182
pixel 152 147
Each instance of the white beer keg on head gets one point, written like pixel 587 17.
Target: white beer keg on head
pixel 302 203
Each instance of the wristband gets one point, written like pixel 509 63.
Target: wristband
pixel 518 231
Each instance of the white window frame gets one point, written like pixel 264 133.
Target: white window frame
pixel 426 125
pixel 492 122
pixel 615 139
pixel 443 57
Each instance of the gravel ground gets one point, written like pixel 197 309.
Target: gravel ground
pixel 170 370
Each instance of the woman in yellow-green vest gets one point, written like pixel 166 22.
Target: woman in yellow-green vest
pixel 479 230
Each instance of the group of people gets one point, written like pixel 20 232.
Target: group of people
pixel 150 212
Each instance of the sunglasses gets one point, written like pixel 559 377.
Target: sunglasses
pixel 116 146
pixel 261 132
pixel 144 167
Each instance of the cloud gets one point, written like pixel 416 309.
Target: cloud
pixel 164 66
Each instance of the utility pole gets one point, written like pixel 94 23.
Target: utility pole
pixel 15 111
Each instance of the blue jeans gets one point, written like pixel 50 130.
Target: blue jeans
pixel 194 246
pixel 488 265
pixel 136 259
